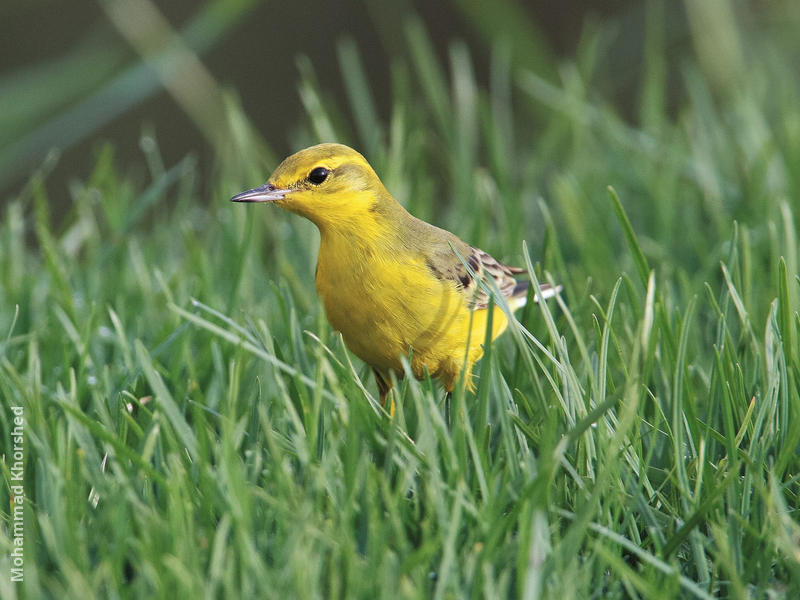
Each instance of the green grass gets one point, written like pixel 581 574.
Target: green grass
pixel 195 429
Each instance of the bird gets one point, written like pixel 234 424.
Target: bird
pixel 393 285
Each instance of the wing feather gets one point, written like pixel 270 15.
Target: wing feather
pixel 446 265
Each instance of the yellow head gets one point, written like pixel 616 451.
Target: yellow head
pixel 330 184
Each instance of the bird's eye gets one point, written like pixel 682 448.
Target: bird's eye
pixel 318 175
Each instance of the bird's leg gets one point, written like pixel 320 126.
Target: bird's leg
pixel 384 388
pixel 447 398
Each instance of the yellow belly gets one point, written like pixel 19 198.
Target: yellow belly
pixel 388 310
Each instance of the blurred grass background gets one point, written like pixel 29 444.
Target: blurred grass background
pixel 79 80
pixel 195 428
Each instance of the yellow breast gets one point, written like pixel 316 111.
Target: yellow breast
pixel 388 305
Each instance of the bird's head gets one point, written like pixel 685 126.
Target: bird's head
pixel 328 183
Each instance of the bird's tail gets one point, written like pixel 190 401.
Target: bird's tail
pixel 519 297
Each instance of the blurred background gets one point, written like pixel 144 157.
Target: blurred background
pixel 185 76
pixel 76 74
